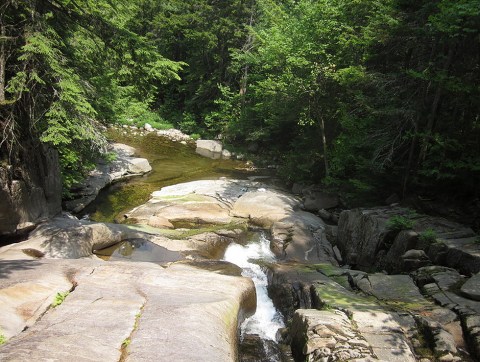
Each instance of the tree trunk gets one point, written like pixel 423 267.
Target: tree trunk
pixel 434 109
pixel 324 141
pixel 3 61
pixel 411 153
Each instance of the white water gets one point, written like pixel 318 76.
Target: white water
pixel 266 321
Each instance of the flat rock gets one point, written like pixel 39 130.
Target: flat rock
pixel 181 313
pixel 397 289
pixel 471 289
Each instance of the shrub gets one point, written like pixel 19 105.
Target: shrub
pixel 399 223
pixel 59 298
pixel 428 236
pixel 3 339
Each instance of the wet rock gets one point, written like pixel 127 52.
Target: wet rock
pixel 471 289
pixel 253 349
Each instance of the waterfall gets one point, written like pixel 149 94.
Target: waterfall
pixel 267 320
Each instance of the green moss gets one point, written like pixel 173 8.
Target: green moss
pixel 126 342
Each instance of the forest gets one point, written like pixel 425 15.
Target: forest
pixel 367 97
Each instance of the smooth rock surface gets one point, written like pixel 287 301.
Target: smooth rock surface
pixel 471 289
pixel 69 238
pixel 181 313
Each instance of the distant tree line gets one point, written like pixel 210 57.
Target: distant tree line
pixel 362 95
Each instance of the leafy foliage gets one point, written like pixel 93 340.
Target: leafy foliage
pixel 59 298
pixel 65 67
pixel 399 223
pixel 428 236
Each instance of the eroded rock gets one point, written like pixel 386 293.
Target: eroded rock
pixel 123 166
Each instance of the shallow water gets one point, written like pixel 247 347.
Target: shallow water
pixel 172 163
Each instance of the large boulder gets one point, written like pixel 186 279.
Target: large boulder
pixel 301 237
pixel 265 207
pixel 30 193
pixel 209 148
pixel 366 241
pixel 471 289
pixel 68 238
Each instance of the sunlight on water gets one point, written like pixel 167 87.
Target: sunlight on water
pixel 266 321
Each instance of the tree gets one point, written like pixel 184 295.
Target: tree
pixel 64 66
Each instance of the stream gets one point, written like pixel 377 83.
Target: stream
pixel 266 321
pixel 173 163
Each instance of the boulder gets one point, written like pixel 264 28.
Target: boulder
pixel 148 127
pixel 138 166
pixel 265 207
pixel 415 255
pixel 209 148
pixel 471 289
pixel 301 237
pixel 68 238
pixel 318 200
pixel 365 240
pixel 226 154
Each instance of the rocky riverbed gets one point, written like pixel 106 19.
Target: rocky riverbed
pixel 352 291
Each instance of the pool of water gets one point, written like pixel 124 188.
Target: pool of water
pixel 172 163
